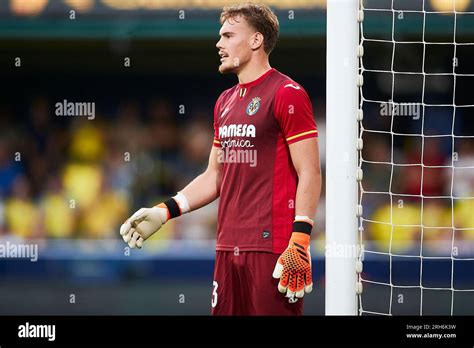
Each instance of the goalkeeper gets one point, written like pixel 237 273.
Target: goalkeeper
pixel 267 206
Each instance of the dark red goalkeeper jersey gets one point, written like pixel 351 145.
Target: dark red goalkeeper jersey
pixel 253 125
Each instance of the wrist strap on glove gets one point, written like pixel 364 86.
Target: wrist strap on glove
pixel 303 224
pixel 176 206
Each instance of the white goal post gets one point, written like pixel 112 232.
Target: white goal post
pixel 414 175
pixel 341 156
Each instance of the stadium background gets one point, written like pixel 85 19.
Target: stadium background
pixel 67 183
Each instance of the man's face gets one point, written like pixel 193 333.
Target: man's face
pixel 235 44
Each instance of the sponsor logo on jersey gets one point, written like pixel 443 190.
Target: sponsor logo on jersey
pixel 233 135
pixel 237 130
pixel 253 106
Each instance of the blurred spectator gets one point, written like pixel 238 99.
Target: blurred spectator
pixel 161 121
pixel 437 223
pixel 39 125
pixel 82 182
pixel 464 218
pixel 118 169
pixel 58 216
pixel 22 216
pixel 432 178
pixel 403 235
pixel 463 183
pixel 107 211
pixel 83 174
pixel 128 133
pixel 196 140
pixel 87 142
pixel 9 168
pixel 378 151
pixel 2 217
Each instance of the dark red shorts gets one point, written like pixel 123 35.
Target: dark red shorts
pixel 243 285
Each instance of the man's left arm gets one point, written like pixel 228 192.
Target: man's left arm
pixel 294 113
pixel 305 157
pixel 293 267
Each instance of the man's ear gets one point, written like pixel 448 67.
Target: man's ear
pixel 256 41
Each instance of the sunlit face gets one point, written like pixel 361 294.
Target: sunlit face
pixel 234 45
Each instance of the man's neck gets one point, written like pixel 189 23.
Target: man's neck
pixel 251 73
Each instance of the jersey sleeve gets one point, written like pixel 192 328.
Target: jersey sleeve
pixel 294 113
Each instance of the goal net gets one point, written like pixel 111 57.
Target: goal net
pixel 415 155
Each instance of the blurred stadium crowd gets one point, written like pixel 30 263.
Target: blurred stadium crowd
pixel 438 195
pixel 76 178
pixel 70 177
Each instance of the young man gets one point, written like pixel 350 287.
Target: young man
pixel 264 166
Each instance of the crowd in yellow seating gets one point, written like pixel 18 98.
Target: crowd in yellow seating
pixel 77 178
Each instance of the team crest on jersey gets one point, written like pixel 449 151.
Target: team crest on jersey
pixel 253 106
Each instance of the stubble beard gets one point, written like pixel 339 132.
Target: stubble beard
pixel 227 68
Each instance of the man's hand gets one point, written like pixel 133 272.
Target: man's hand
pixel 142 224
pixel 293 267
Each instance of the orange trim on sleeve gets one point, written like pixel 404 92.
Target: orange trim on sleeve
pixel 302 134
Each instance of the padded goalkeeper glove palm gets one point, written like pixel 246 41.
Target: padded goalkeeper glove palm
pixel 143 223
pixel 293 267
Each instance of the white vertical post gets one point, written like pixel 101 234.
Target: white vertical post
pixel 341 156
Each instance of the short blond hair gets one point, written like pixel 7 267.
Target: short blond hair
pixel 260 17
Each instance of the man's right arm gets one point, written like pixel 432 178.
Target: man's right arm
pixel 201 191
pixel 206 187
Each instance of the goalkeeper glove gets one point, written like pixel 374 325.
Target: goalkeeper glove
pixel 293 267
pixel 146 221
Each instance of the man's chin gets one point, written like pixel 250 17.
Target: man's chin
pixel 225 69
